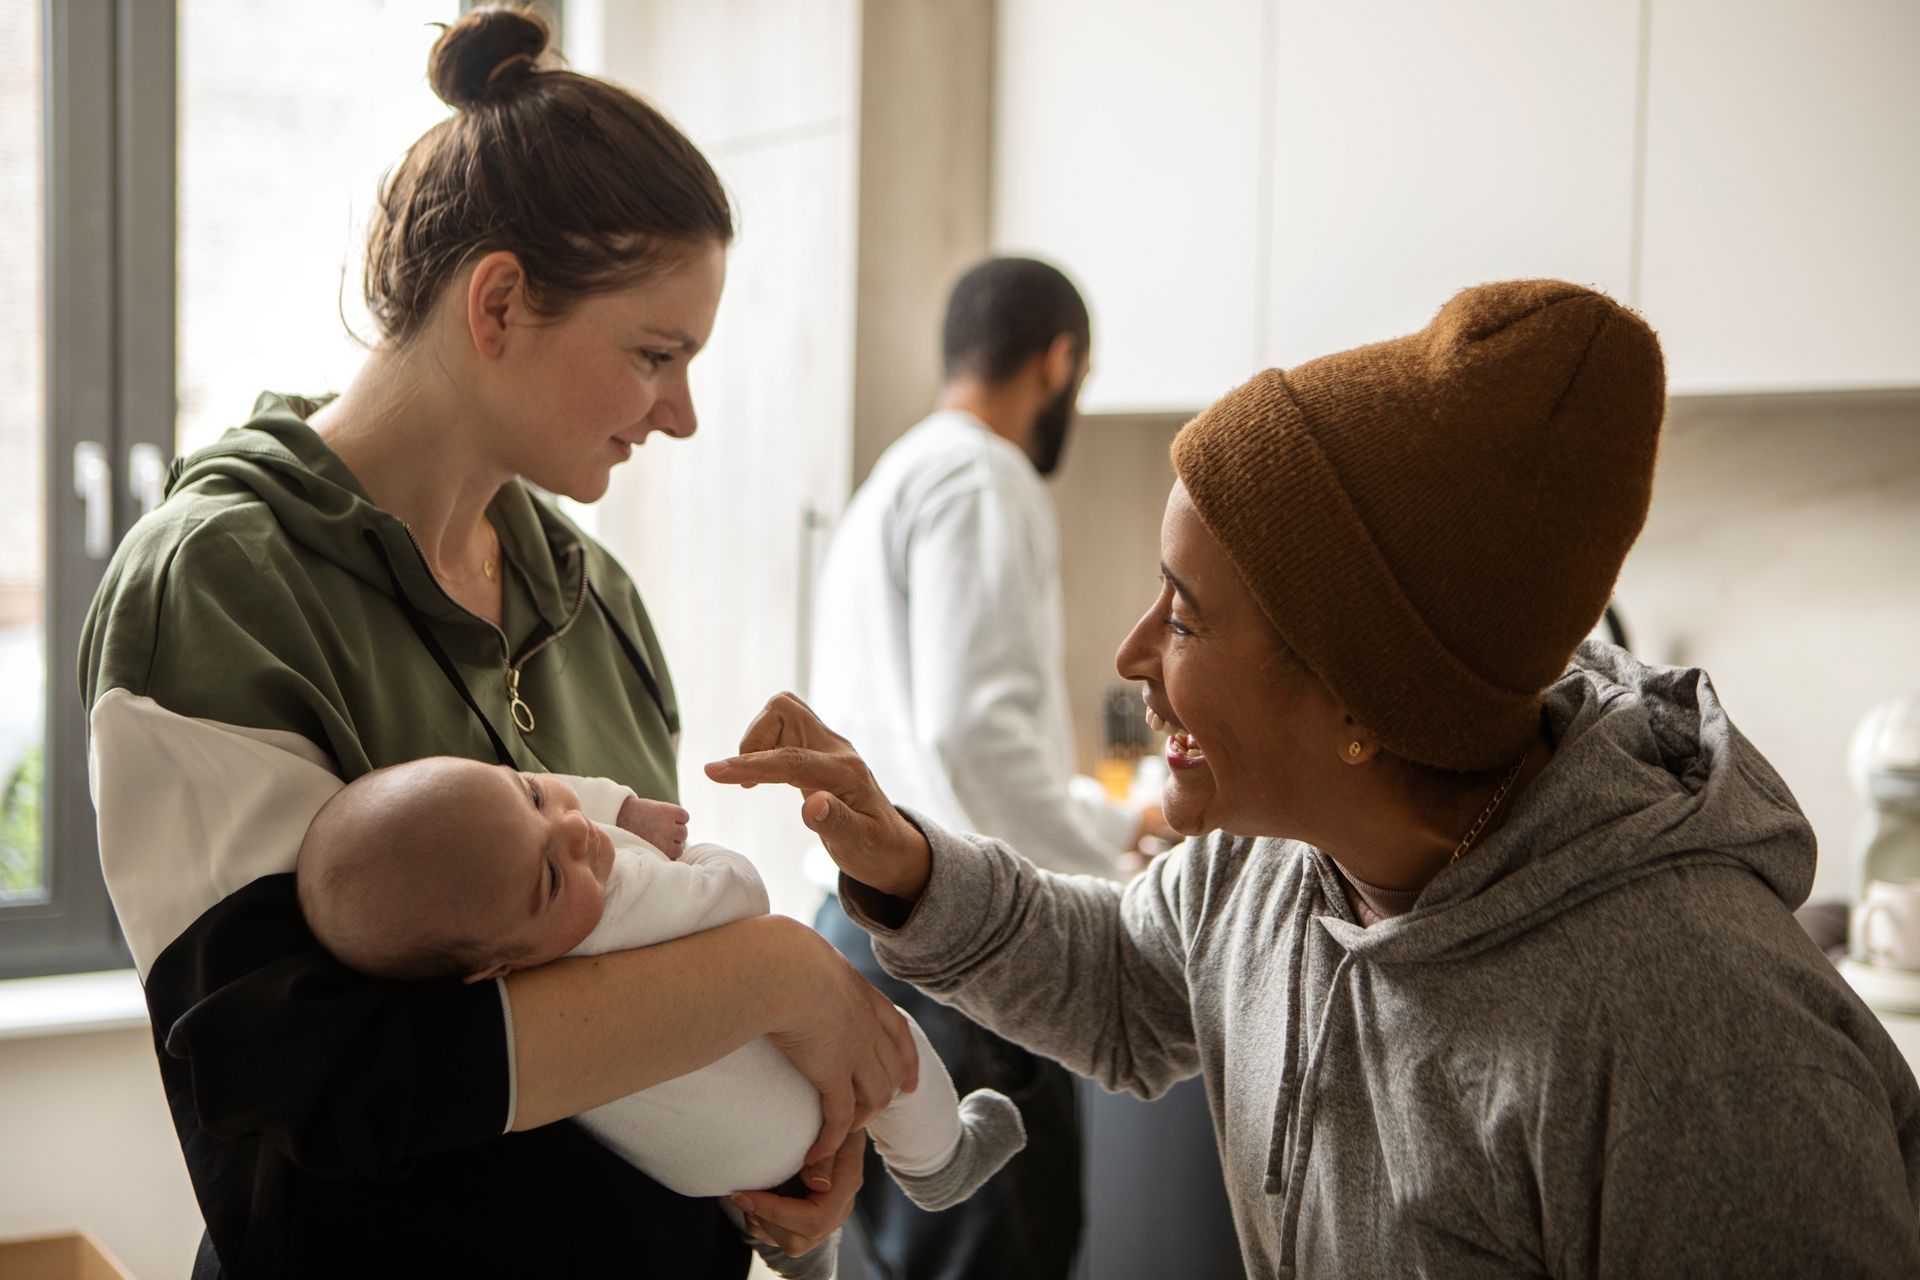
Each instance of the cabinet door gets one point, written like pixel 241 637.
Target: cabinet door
pixel 1127 152
pixel 721 531
pixel 1418 149
pixel 733 73
pixel 1783 193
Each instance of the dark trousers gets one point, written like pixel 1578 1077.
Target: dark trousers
pixel 1024 1224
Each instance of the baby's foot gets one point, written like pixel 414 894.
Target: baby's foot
pixel 991 1133
pixel 660 824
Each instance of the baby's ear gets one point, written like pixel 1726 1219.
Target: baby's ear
pixel 499 970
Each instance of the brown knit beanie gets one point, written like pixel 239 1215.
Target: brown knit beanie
pixel 1434 523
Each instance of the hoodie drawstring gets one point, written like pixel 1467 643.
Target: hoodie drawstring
pixel 1309 1109
pixel 1290 1064
pixel 587 591
pixel 1299 1084
pixel 433 647
pixel 639 663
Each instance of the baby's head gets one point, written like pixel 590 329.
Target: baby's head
pixel 447 866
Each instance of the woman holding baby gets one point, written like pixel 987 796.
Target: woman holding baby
pixel 336 587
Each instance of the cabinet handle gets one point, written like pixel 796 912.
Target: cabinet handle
pixel 146 476
pixel 812 521
pixel 93 485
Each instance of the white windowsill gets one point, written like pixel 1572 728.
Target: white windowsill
pixel 69 1003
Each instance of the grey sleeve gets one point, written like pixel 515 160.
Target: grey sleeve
pixel 1072 967
pixel 1787 1171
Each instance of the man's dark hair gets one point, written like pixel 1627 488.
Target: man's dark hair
pixel 1006 311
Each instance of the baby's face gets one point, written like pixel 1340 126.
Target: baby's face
pixel 537 869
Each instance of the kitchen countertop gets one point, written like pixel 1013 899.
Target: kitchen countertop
pixel 1905 1030
pixel 1894 997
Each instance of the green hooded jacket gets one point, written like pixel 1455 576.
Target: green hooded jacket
pixel 265 629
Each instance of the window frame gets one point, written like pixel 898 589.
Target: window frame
pixel 108 219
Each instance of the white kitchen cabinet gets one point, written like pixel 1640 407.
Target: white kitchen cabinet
pixel 1127 150
pixel 852 138
pixel 739 73
pixel 1417 149
pixel 714 529
pixel 1256 182
pixel 1783 193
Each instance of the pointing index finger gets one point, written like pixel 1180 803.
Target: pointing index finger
pixel 797 766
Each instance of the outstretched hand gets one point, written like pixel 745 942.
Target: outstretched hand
pixel 864 833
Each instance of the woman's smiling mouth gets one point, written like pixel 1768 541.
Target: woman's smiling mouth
pixel 1183 751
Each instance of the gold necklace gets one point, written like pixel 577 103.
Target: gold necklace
pixel 1473 832
pixel 487 564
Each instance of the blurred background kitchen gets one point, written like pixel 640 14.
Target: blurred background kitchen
pixel 1232 183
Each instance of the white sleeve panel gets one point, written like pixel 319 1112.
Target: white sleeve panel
pixel 600 798
pixel 977 591
pixel 651 898
pixel 191 810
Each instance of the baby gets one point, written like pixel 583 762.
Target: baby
pixel 444 866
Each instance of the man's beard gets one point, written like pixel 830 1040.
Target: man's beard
pixel 1048 440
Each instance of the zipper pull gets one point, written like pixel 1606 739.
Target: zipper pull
pixel 522 713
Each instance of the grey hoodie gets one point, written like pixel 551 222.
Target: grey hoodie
pixel 1599 1045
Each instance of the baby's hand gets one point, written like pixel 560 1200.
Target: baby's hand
pixel 662 825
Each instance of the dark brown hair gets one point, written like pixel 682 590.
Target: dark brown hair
pixel 1004 312
pixel 591 188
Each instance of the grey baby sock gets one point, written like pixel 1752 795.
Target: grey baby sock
pixel 991 1133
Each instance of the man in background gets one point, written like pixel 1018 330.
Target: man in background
pixel 938 653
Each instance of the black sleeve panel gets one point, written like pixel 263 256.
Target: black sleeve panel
pixel 345 1075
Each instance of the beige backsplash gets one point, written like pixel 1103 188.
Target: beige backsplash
pixel 1782 554
pixel 1109 491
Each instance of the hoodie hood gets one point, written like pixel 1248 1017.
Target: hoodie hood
pixel 322 506
pixel 1648 773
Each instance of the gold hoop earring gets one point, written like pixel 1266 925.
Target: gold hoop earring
pixel 1353 750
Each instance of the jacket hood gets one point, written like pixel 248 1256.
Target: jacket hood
pixel 279 459
pixel 1648 773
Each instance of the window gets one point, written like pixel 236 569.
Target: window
pixel 184 187
pixel 270 253
pixel 23 869
pixel 57 405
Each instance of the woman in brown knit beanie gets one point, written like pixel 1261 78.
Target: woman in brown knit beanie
pixel 1484 942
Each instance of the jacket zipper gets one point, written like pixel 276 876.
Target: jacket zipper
pixel 522 713
pixel 516 705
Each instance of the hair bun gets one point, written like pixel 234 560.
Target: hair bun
pixel 483 53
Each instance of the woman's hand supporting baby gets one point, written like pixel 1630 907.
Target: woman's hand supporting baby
pixel 830 1036
pixel 828 1026
pixel 844 806
pixel 686 1003
pixel 877 847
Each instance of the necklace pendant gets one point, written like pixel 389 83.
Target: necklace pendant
pixel 486 567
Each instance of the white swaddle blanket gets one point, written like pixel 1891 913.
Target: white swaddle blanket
pixel 746 1121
